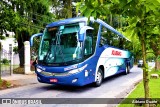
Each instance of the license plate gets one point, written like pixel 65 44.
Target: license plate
pixel 53 80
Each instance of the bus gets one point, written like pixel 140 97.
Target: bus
pixel 77 52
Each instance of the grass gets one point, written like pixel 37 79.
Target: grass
pixel 138 92
pixel 7 66
pixel 16 69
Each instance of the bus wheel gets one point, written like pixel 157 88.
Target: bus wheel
pixel 99 78
pixel 127 69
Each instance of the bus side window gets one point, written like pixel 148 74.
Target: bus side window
pixel 121 43
pixel 104 35
pixel 103 41
pixel 111 38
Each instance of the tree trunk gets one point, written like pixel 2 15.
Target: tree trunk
pixel 111 20
pixel 22 36
pixel 145 71
pixel 20 50
pixel 156 62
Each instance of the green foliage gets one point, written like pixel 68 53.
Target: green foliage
pixel 137 12
pixel 21 16
pixel 2 37
pixel 158 58
pixel 95 8
pixel 63 8
pixel 5 61
pixel 136 50
pixel 15 50
pixel 24 18
pixel 150 56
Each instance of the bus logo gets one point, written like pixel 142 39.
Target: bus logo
pixel 116 53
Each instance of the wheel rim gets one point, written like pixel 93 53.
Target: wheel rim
pixel 126 70
pixel 99 77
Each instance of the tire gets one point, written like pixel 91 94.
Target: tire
pixel 127 71
pixel 99 78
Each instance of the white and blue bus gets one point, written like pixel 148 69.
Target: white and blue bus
pixel 75 52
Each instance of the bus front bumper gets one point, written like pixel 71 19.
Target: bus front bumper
pixel 73 79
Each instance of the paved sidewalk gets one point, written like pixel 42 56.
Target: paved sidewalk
pixel 21 79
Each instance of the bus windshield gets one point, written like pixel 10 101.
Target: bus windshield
pixel 60 45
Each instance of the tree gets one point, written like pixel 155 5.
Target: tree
pixel 153 38
pixel 5 17
pixel 63 8
pixel 95 8
pixel 67 8
pixel 24 20
pixel 137 11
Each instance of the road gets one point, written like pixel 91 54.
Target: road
pixel 114 87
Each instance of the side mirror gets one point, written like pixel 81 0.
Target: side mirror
pixel 33 36
pixel 82 33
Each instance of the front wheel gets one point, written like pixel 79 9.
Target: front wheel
pixel 99 78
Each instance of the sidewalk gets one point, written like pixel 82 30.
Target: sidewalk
pixel 21 79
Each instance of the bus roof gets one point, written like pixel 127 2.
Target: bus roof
pixel 68 21
pixel 85 19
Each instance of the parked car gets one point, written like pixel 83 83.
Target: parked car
pixel 140 63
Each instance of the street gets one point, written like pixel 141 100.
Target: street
pixel 113 87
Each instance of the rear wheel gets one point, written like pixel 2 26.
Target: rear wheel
pixel 99 78
pixel 127 71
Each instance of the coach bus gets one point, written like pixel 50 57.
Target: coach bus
pixel 77 52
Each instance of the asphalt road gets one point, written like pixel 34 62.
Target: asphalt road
pixel 114 87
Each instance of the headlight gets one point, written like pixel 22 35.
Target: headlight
pixel 77 70
pixel 39 70
pixel 74 71
pixel 61 74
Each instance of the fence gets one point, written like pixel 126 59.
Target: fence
pixel 9 61
pixel 6 61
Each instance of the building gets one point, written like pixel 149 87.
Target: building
pixel 7 43
pixel 6 46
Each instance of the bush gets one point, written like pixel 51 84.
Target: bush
pixel 15 49
pixel 5 61
pixel 2 37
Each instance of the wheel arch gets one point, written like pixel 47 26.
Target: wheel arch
pixel 99 81
pixel 128 62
